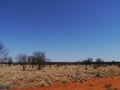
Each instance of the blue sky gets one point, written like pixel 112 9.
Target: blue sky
pixel 67 30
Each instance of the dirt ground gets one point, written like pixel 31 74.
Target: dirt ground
pixel 112 83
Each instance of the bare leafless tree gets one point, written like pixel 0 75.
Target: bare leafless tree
pixel 40 58
pixel 99 61
pixel 3 52
pixel 31 61
pixel 22 58
pixel 10 61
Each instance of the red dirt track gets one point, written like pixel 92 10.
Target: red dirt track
pixel 93 84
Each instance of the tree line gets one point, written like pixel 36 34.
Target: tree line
pixel 39 59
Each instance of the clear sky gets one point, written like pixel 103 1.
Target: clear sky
pixel 67 30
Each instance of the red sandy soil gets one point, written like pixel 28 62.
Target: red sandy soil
pixel 93 84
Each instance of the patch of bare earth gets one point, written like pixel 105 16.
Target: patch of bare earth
pixel 112 83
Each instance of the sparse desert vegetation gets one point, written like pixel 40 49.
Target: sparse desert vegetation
pixel 15 77
pixel 37 71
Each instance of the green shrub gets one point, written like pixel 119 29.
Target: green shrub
pixel 114 89
pixel 95 66
pixel 108 86
pixel 118 65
